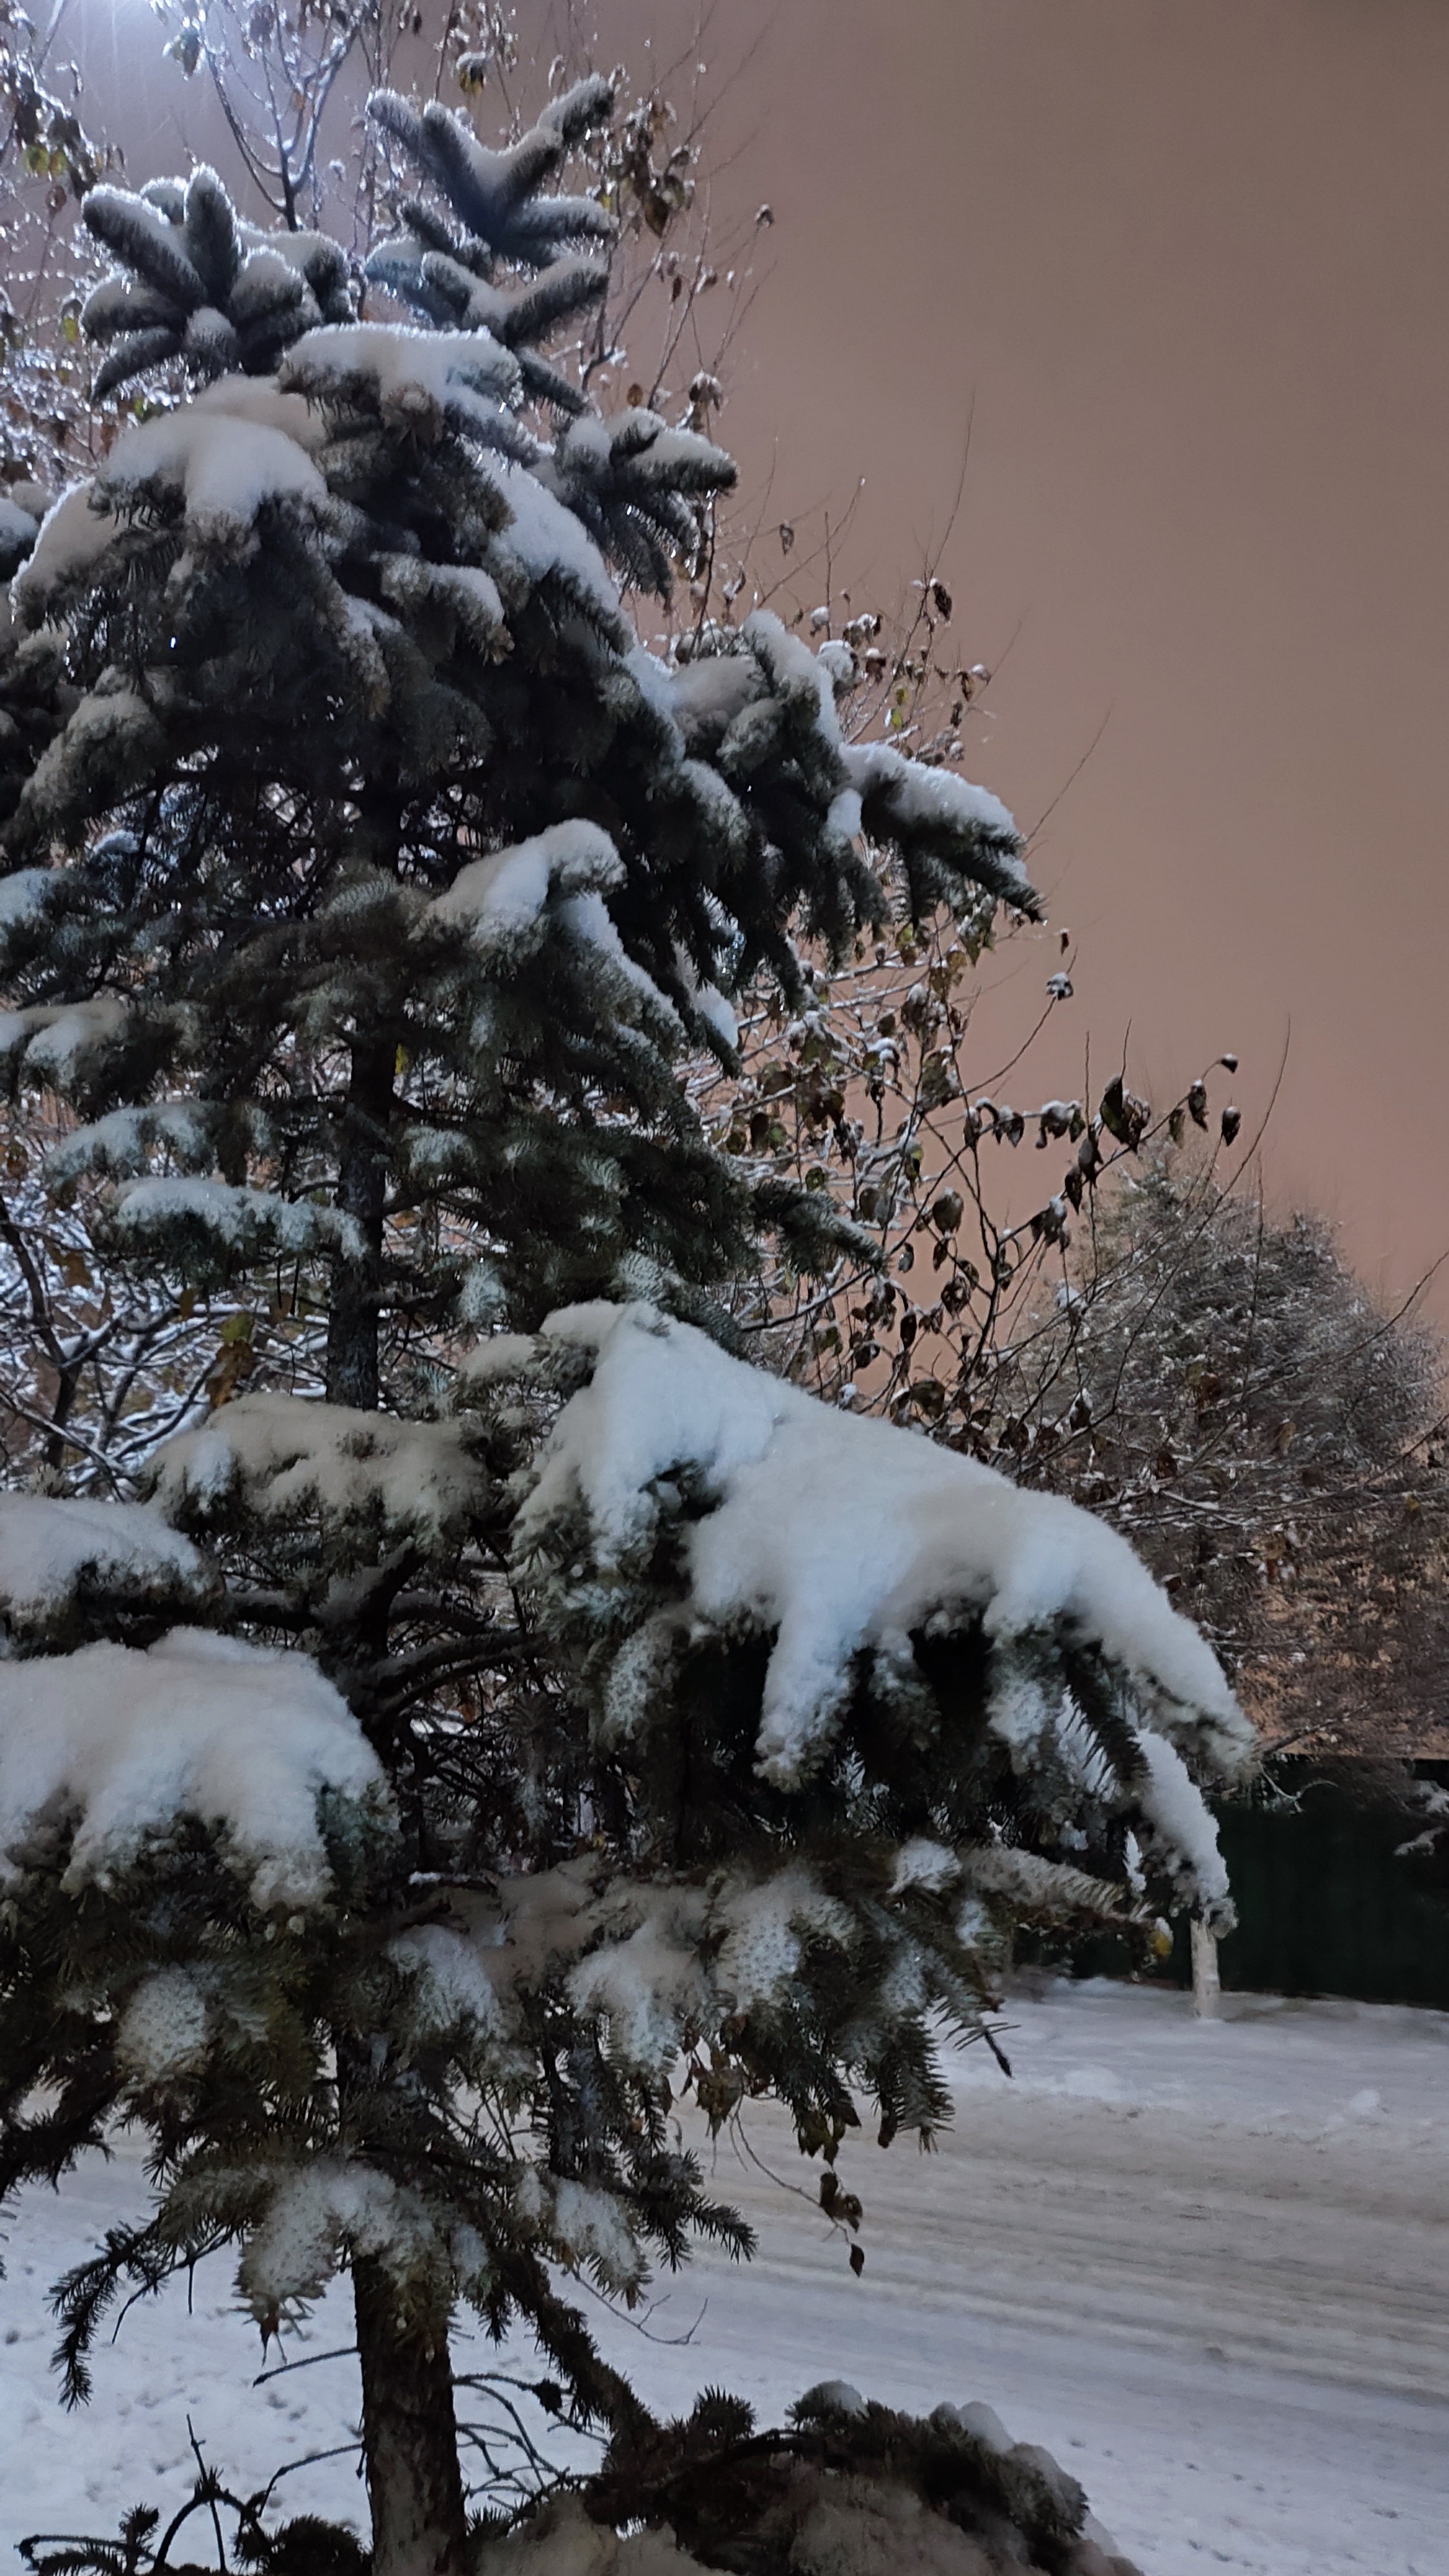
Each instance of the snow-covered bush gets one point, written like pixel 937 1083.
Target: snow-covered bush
pixel 845 2489
pixel 441 1771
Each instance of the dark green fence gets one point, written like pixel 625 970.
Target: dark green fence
pixel 1325 1905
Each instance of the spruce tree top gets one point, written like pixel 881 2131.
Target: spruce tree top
pixel 197 286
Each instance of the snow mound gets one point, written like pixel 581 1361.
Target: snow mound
pixel 220 468
pixel 214 466
pixel 562 2541
pixel 120 1744
pixel 499 899
pixel 52 1548
pixel 286 1455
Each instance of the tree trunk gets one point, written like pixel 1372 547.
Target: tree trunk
pixel 410 2438
pixel 1206 1988
pixel 352 1322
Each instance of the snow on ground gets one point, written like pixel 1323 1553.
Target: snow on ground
pixel 1208 2266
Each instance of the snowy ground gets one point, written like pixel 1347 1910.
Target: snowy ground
pixel 1207 2266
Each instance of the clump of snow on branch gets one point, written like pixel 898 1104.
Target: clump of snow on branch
pixel 26 895
pixel 838 1532
pixel 220 471
pixel 165 2027
pixel 237 1220
pixel 919 797
pixel 120 1744
pixel 416 380
pixel 1178 1820
pixel 61 1043
pixel 282 1456
pixel 312 2212
pixel 215 463
pixel 121 1142
pixel 451 1989
pixel 764 1931
pixel 509 902
pixel 544 541
pixel 840 1538
pixel 499 900
pixel 644 1960
pixel 51 1548
pixel 580 2227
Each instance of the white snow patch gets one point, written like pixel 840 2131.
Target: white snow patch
pixel 839 1534
pixel 292 1454
pixel 500 899
pixel 121 1141
pixel 921 1863
pixel 223 466
pixel 792 669
pixel 414 377
pixel 164 2028
pixel 316 2210
pixel 709 692
pixel 648 1984
pixel 26 894
pixel 124 1743
pixel 765 1926
pixel 1180 1820
pixel 451 1985
pixel 49 1545
pixel 545 540
pixel 260 402
pixel 112 727
pixel 245 1220
pixel 580 2225
pixel 507 901
pixel 74 534
pixel 917 798
pixel 56 1039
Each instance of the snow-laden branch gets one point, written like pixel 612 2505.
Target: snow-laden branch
pixel 123 1746
pixel 844 1541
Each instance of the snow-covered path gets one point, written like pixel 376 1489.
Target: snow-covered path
pixel 1208 2266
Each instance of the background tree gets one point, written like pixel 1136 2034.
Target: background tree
pixel 1270 1437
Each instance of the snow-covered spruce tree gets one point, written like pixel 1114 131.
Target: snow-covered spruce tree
pixel 419 1784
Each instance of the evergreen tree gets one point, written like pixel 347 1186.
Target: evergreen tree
pixel 393 1796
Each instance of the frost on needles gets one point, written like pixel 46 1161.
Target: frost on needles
pixel 511 1708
